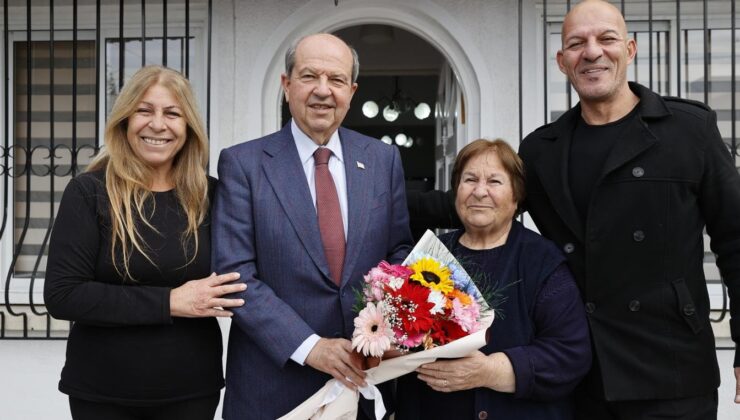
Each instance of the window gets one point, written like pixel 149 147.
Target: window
pixel 38 177
pixel 705 78
pixel 132 60
pixel 643 69
pixel 44 154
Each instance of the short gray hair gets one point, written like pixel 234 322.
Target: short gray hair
pixel 290 57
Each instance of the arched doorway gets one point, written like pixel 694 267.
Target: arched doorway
pixel 408 97
pixel 423 18
pixel 462 79
pixel 397 98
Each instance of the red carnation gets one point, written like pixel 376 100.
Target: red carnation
pixel 410 301
pixel 446 331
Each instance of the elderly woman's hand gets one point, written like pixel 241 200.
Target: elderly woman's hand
pixel 202 298
pixel 474 371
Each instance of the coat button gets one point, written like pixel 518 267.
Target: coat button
pixel 483 415
pixel 590 307
pixel 638 172
pixel 638 236
pixel 634 305
pixel 569 248
pixel 689 309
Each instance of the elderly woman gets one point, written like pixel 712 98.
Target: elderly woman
pixel 129 262
pixel 538 348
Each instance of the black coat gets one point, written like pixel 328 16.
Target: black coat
pixel 638 257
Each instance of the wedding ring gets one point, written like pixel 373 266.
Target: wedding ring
pixel 445 383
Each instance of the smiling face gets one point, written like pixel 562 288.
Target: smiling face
pixel 485 196
pixel 320 88
pixel 596 52
pixel 157 129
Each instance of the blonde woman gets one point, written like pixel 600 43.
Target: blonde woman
pixel 129 262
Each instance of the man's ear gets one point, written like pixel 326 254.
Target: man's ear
pixel 285 82
pixel 559 59
pixel 631 49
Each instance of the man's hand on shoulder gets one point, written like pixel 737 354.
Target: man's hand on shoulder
pixel 335 357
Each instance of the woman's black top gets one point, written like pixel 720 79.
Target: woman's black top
pixel 124 347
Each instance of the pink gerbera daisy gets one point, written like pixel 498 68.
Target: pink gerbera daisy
pixel 372 335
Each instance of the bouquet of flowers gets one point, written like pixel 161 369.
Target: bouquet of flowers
pixel 426 302
pixel 428 307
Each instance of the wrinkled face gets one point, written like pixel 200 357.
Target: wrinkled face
pixel 595 51
pixel 485 198
pixel 157 129
pixel 320 88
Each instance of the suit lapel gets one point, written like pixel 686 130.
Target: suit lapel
pixel 284 172
pixel 552 169
pixel 634 140
pixel 359 169
pixel 552 166
pixel 637 137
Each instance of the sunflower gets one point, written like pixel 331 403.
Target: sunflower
pixel 430 273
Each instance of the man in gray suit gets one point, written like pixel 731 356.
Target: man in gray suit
pixel 270 224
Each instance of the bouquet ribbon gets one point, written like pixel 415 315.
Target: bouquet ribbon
pixel 335 401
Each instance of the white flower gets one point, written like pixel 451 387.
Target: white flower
pixel 395 283
pixel 439 300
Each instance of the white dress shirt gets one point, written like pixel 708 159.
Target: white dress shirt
pixel 306 148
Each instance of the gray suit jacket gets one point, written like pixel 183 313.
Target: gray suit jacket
pixel 265 227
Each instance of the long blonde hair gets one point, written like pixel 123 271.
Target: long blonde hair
pixel 128 179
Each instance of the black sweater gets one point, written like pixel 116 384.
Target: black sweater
pixel 124 347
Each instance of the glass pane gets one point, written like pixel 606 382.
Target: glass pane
pixel 132 60
pixel 39 177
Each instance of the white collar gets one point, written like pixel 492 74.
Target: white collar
pixel 306 147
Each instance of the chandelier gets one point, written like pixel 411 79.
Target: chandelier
pixel 396 105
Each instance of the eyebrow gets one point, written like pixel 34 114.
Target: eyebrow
pixel 606 32
pixel 166 107
pixel 496 173
pixel 328 74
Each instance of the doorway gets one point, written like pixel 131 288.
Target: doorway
pixel 403 84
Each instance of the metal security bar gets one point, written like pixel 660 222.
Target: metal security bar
pixel 63 66
pixel 686 48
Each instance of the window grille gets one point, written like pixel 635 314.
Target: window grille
pixel 689 52
pixel 63 75
pixel 686 48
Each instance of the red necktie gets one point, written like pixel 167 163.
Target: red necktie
pixel 330 217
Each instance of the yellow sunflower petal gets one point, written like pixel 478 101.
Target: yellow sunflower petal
pixel 430 273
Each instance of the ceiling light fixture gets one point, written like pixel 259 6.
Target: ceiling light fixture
pixel 395 106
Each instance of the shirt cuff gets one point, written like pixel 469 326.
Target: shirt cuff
pixel 301 353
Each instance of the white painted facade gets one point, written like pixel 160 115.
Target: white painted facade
pixel 479 38
pixel 253 36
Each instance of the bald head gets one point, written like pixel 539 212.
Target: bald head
pixel 594 11
pixel 595 55
pixel 329 39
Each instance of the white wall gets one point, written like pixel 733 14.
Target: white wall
pixel 29 373
pixel 479 36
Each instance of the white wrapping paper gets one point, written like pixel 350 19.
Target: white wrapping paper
pixel 334 401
